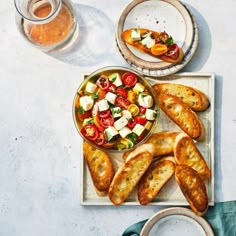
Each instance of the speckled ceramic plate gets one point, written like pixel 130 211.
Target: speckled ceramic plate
pixel 176 221
pixel 158 15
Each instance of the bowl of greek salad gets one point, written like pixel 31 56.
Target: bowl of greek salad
pixel 114 109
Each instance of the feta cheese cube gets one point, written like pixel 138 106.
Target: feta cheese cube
pixel 138 129
pixel 138 88
pixel 115 79
pixel 103 105
pixel 150 114
pixel 95 109
pixel 111 97
pixel 124 132
pixel 110 132
pixel 135 34
pixel 90 87
pixel 145 100
pixel 126 114
pixel 116 112
pixel 86 102
pixel 122 122
pixel 148 41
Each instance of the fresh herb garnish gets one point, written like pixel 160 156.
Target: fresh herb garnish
pixel 95 96
pixel 133 137
pixel 80 110
pixel 169 41
pixel 116 111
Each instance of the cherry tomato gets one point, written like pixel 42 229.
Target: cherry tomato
pixel 172 50
pixel 90 131
pixel 122 102
pixel 105 114
pixel 140 137
pixel 142 110
pixel 133 109
pixel 101 94
pixel 131 123
pixel 97 123
pixel 140 120
pixel 111 88
pixel 106 122
pixel 162 37
pixel 103 82
pixel 122 92
pixel 129 79
pixel 82 115
pixel 100 140
pixel 132 96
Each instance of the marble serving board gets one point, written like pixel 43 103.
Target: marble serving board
pixel 170 193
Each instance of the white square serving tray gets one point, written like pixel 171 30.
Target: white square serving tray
pixel 170 193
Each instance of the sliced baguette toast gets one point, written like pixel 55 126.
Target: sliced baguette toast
pixel 186 153
pixel 158 173
pixel 163 142
pixel 182 115
pixel 193 97
pixel 126 36
pixel 193 188
pixel 159 144
pixel 146 147
pixel 127 176
pixel 100 168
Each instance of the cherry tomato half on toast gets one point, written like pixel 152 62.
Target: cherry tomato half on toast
pixel 172 50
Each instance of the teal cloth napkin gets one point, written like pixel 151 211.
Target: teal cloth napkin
pixel 221 217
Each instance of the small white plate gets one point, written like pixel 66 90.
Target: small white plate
pixel 176 221
pixel 158 15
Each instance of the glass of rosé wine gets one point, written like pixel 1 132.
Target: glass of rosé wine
pixel 47 24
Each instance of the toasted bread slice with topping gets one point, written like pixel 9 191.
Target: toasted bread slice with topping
pixel 186 153
pixel 159 144
pixel 126 36
pixel 193 188
pixel 127 176
pixel 158 173
pixel 182 115
pixel 100 168
pixel 194 98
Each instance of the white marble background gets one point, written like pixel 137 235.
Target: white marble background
pixel 40 149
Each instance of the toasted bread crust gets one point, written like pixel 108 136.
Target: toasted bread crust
pixel 158 173
pixel 163 142
pixel 146 147
pixel 193 188
pixel 186 153
pixel 126 36
pixel 127 176
pixel 182 115
pixel 100 168
pixel 193 97
pixel 159 144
